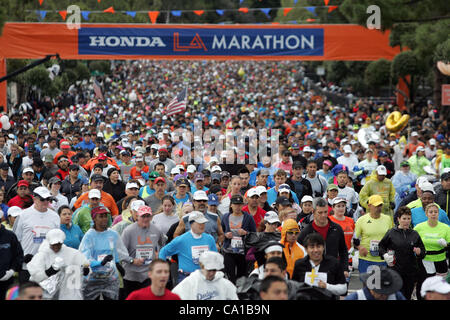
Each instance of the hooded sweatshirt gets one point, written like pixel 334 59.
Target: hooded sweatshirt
pixel 196 287
pixel 292 253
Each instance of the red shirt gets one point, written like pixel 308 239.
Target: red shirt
pixel 259 215
pixel 21 202
pixel 147 294
pixel 322 230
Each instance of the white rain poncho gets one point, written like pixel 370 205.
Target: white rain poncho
pixel 67 283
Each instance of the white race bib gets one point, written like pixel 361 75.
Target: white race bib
pixel 197 251
pixel 237 243
pixel 144 252
pixel 374 248
pixel 312 278
pixel 100 257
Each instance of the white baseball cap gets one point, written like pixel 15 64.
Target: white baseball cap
pixel 306 199
pixel 28 169
pixel 274 248
pixel 414 134
pixel 191 168
pixel 211 260
pixel 132 185
pixel 427 186
pixel 175 170
pixel 198 217
pixel 216 168
pixel 260 190
pixel 435 284
pixel 200 195
pixel 94 193
pixel 14 211
pixel 252 192
pixel 339 200
pixel 432 142
pixel 381 170
pixel 271 217
pixel 43 192
pixel 347 149
pixel 135 205
pixel 55 236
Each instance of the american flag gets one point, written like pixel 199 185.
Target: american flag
pixel 178 104
pixel 98 90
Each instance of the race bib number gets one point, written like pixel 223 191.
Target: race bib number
pixel 313 278
pixel 100 257
pixel 39 233
pixel 145 252
pixel 374 248
pixel 237 244
pixel 197 251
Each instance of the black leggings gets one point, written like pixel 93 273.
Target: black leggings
pixel 409 281
pixel 235 266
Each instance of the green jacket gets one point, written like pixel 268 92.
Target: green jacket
pixel 82 218
pixel 384 188
pixel 416 164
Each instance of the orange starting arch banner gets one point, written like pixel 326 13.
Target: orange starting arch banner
pixel 191 42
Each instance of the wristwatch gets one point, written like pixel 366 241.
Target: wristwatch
pixel 131 261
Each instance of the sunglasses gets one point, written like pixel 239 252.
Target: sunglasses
pixel 201 200
pixel 145 216
pixel 293 232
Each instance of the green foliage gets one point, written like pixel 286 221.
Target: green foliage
pixel 377 73
pixel 405 63
pixel 442 52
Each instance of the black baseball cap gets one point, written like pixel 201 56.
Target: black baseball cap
pixel 182 181
pixel 97 177
pixel 4 166
pixel 237 199
pixel 283 201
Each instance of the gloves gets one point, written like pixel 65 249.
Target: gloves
pixel 106 259
pixel 388 258
pixel 50 271
pixel 403 194
pixel 366 172
pixel 120 269
pixel 58 263
pixel 392 205
pixel 86 270
pixel 27 258
pixel 413 184
pixel 8 274
pixel 442 242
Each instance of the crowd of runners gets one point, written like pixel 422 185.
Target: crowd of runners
pixel 262 188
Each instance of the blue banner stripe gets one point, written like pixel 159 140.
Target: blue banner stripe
pixel 201 41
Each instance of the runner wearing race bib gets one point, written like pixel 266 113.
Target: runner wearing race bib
pixel 371 228
pixel 142 240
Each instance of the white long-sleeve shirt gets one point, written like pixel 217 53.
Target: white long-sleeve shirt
pixel 32 226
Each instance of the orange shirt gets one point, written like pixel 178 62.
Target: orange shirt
pixel 348 225
pixel 107 200
pixel 137 174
